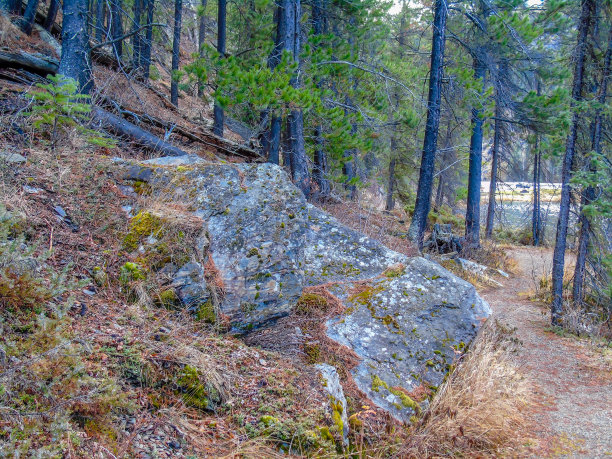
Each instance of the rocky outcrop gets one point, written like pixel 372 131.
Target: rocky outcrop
pixel 406 318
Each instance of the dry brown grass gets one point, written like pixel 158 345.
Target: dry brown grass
pixel 480 409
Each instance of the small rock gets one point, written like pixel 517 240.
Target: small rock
pixel 59 210
pixel 31 190
pixel 174 444
pixel 190 285
pixel 61 213
pixel 139 174
pixel 12 158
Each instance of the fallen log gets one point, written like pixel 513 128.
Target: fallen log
pixel 206 138
pixel 124 128
pixel 37 63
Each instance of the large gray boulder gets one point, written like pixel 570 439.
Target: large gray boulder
pixel 406 318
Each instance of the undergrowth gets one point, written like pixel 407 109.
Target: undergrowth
pixel 46 393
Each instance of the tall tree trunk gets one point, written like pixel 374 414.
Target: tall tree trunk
pixel 286 147
pixel 75 62
pixel 589 194
pixel 536 224
pixel 494 169
pixel 299 161
pixel 348 167
pixel 28 17
pixel 117 27
pixel 145 54
pixel 100 10
pixel 428 157
pixel 472 215
pixel 442 174
pixel 51 14
pixel 270 137
pixel 176 50
pixel 320 165
pixel 390 204
pixel 319 21
pixel 137 38
pixel 202 41
pixel 221 25
pixel 586 18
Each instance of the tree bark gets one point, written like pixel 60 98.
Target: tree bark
pixel 145 54
pixel 584 27
pixel 51 15
pixel 430 142
pixel 589 194
pixel 536 216
pixel 221 26
pixel 320 170
pixel 472 215
pixel 494 169
pixel 288 16
pixel 202 41
pixel 75 62
pixel 176 49
pixel 536 224
pixel 137 38
pixel 100 11
pixel 117 27
pixel 27 22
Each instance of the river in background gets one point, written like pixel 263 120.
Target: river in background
pixel 515 206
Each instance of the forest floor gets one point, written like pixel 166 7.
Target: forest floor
pixel 572 376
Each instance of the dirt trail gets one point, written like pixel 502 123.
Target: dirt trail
pixel 573 379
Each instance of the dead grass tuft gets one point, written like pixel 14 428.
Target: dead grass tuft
pixel 480 409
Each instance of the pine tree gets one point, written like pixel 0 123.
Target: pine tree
pixel 584 26
pixel 176 50
pixel 423 199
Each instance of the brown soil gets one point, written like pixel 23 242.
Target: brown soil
pixel 572 376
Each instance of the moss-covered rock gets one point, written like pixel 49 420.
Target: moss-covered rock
pixel 404 317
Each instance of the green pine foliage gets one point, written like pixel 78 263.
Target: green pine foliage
pixel 59 107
